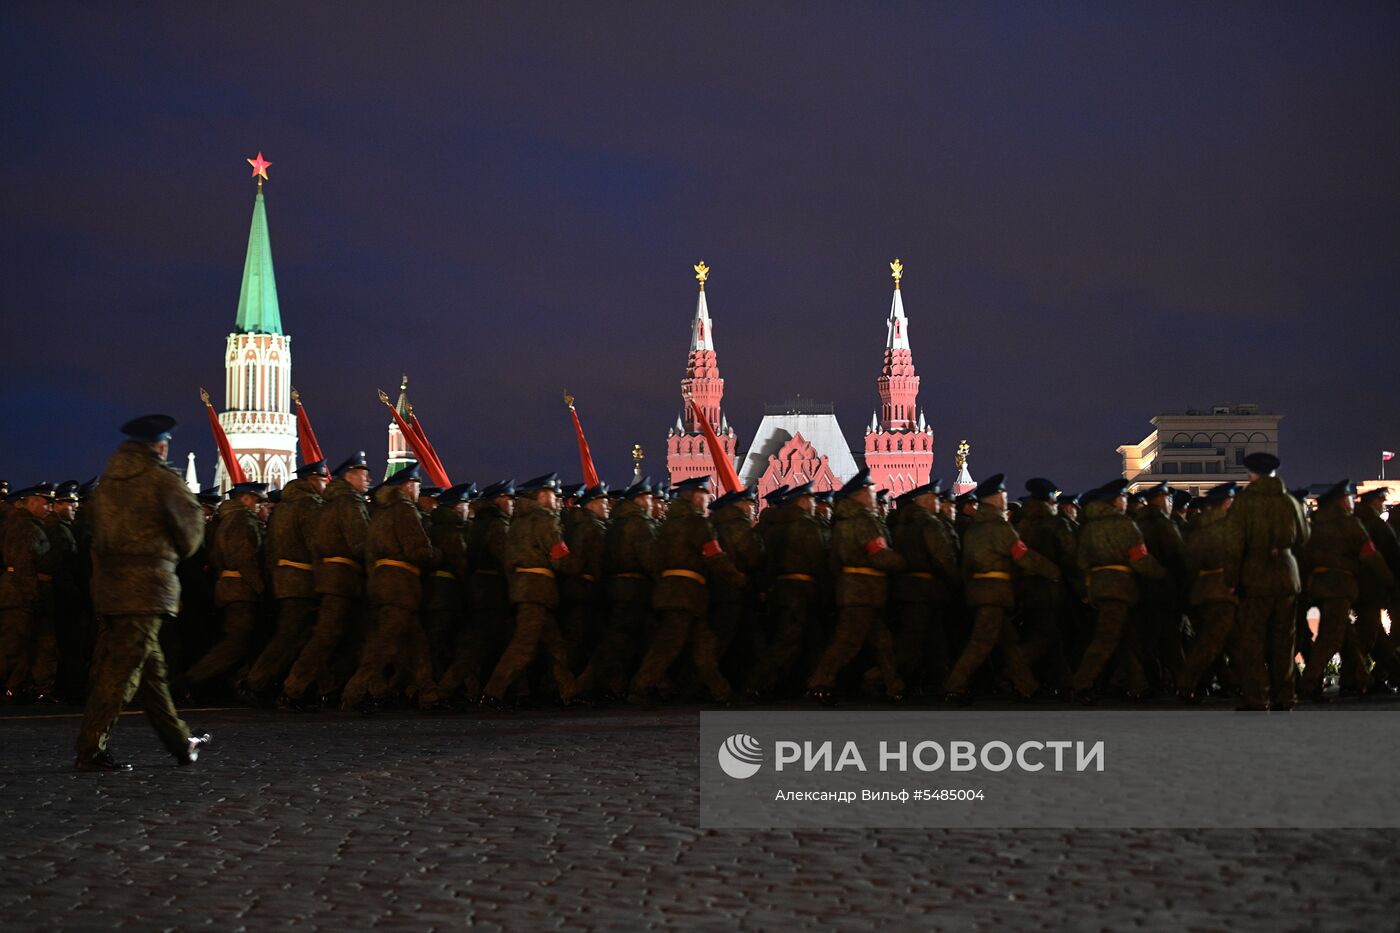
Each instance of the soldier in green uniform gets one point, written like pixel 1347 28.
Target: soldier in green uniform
pixel 67 608
pixel 535 552
pixel 732 606
pixel 863 560
pixel 629 561
pixel 1270 529
pixel 1337 556
pixel 584 591
pixel 1157 625
pixel 144 521
pixel 689 557
pixel 1042 616
pixel 1377 591
pixel 1212 592
pixel 445 589
pixel 1111 556
pixel 794 575
pixel 338 546
pixel 923 592
pixel 26 668
pixel 398 552
pixel 486 631
pixel 290 548
pixel 991 551
pixel 238 559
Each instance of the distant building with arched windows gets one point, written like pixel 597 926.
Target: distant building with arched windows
pixel 1200 448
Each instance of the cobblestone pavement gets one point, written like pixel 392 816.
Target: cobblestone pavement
pixel 569 819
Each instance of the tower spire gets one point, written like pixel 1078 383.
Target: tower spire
pixel 702 336
pixel 258 310
pixel 686 453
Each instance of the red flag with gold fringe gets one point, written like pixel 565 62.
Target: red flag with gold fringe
pixel 728 476
pixel 306 438
pixel 231 466
pixel 585 456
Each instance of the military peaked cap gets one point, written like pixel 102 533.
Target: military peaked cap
pixel 355 461
pixel 149 428
pixel 1344 488
pixel 991 486
pixel 1370 494
pixel 409 474
pixel 42 490
pixel 641 487
pixel 1261 464
pixel 599 491
pixel 694 484
pixel 249 489
pixel 779 495
pixel 462 492
pixel 856 483
pixel 314 468
pixel 505 487
pixel 1042 489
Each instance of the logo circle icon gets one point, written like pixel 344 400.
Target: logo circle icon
pixel 740 756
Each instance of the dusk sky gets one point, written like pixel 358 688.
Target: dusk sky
pixel 1105 211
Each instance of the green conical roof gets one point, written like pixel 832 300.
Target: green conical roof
pixel 258 312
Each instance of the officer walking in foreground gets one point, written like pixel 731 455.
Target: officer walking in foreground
pixel 144 521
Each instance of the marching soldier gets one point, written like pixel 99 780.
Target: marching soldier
pixel 584 592
pixel 1214 579
pixel 291 543
pixel 689 557
pixel 991 551
pixel 1271 528
pixel 1377 592
pixel 1159 606
pixel 485 633
pixel 629 559
pixel 445 590
pixel 27 661
pixel 534 551
pixel 1111 556
pixel 923 591
pixel 1041 602
pixel 67 609
pixel 144 521
pixel 338 544
pixel 731 604
pixel 398 551
pixel 795 571
pixel 1337 555
pixel 862 558
pixel 238 559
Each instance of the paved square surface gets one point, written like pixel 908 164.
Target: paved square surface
pixel 577 819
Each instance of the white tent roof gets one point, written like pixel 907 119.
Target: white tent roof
pixel 822 431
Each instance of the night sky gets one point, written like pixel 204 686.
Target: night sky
pixel 1105 211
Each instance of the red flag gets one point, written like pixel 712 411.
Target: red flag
pixel 728 477
pixel 306 438
pixel 231 466
pixel 427 444
pixel 420 446
pixel 1387 455
pixel 585 456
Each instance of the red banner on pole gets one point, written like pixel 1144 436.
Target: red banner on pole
pixel 585 456
pixel 306 438
pixel 427 458
pixel 231 466
pixel 728 476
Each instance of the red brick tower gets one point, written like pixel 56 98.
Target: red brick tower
pixel 898 444
pixel 686 453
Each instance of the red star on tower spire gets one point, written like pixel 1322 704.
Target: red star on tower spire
pixel 259 168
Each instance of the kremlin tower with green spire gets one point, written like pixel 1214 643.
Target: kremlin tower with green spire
pixel 258 366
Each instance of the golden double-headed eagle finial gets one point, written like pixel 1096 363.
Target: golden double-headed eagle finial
pixel 702 272
pixel 568 399
pixel 964 448
pixel 896 272
pixel 204 397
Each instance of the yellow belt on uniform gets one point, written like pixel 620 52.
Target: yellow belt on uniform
pixel 445 573
pixel 341 560
pixel 1212 572
pixel 804 577
pixel 44 577
pixel 401 564
pixel 992 575
pixel 631 576
pixel 586 576
pixel 230 575
pixel 921 574
pixel 688 574
pixel 866 571
pixel 1121 568
pixel 1334 570
pixel 293 563
pixel 542 571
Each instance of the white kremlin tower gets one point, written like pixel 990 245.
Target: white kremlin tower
pixel 258 367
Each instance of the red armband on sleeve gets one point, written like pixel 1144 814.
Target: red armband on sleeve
pixel 1368 549
pixel 559 551
pixel 1138 552
pixel 711 548
pixel 1019 550
pixel 875 546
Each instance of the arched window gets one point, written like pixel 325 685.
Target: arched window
pixel 250 376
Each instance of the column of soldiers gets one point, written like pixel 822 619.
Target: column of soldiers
pixel 330 593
